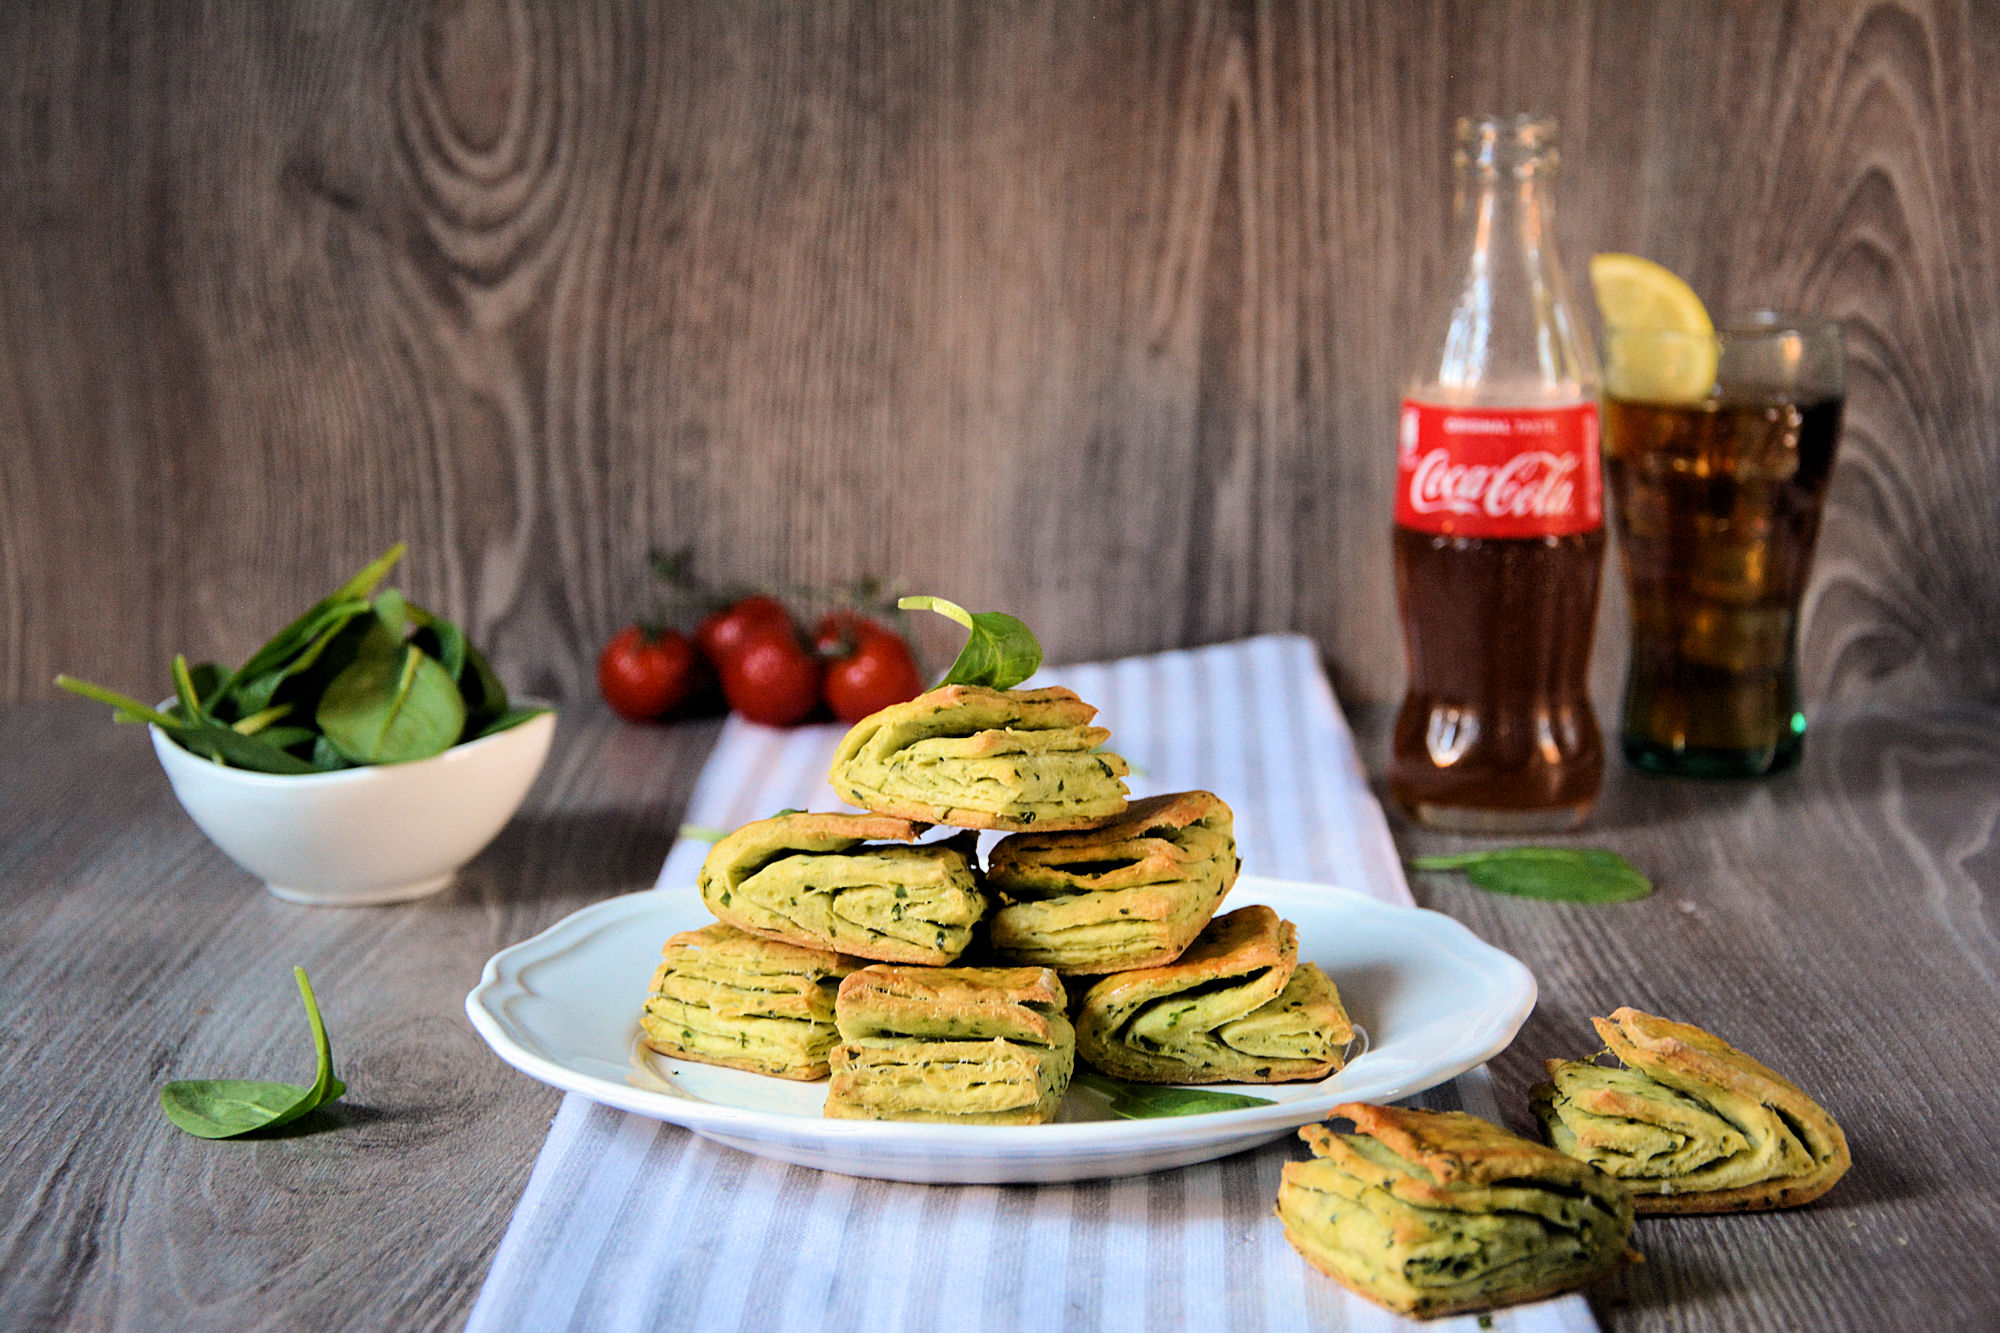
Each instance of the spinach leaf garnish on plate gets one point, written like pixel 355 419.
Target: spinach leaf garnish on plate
pixel 1145 1101
pixel 223 1108
pixel 362 677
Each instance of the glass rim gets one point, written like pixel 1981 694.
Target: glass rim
pixel 1744 326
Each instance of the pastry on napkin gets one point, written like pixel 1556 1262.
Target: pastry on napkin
pixel 958 1045
pixel 1690 1124
pixel 1133 892
pixel 819 881
pixel 1438 1212
pixel 1235 1007
pixel 729 998
pixel 974 757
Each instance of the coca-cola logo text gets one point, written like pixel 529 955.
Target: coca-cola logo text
pixel 1498 471
pixel 1533 484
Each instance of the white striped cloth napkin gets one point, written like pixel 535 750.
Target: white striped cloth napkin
pixel 630 1224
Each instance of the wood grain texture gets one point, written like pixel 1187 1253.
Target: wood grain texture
pixel 134 953
pixel 1837 922
pixel 1098 313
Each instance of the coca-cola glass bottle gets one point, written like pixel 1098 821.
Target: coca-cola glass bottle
pixel 1499 528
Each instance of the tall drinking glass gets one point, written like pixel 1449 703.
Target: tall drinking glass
pixel 1717 504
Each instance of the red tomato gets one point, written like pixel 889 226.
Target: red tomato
pixel 870 668
pixel 643 678
pixel 725 633
pixel 772 679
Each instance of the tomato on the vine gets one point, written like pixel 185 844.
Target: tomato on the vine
pixel 644 676
pixel 772 679
pixel 868 669
pixel 725 633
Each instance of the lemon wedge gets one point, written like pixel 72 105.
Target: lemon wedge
pixel 1659 341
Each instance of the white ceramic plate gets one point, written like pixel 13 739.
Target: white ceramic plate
pixel 1433 999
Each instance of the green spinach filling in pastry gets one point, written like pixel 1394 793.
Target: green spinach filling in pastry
pixel 818 881
pixel 1131 893
pixel 979 758
pixel 1235 1007
pixel 1690 1124
pixel 957 1045
pixel 727 998
pixel 1438 1212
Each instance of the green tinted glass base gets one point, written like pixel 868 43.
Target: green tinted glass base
pixel 1651 756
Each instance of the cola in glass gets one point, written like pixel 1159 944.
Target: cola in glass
pixel 1499 516
pixel 1718 501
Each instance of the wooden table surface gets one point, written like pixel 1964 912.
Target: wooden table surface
pixel 1838 922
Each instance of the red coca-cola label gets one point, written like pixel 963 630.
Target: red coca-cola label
pixel 1499 472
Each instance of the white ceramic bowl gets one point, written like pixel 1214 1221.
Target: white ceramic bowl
pixel 361 835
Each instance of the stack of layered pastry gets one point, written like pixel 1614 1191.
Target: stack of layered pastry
pixel 841 944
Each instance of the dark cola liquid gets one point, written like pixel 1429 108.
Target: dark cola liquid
pixel 1497 734
pixel 1718 506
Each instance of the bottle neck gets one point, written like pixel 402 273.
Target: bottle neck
pixel 1509 334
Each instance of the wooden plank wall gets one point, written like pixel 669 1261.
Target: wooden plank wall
pixel 1095 312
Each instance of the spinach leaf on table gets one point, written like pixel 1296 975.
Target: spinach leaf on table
pixel 1552 874
pixel 223 1108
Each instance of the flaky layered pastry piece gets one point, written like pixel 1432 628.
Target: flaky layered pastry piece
pixel 955 1045
pixel 1235 1007
pixel 1133 892
pixel 725 997
pixel 978 758
pixel 1690 1124
pixel 1438 1212
pixel 840 882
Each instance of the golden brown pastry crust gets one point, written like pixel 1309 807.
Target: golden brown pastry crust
pixel 1054 709
pixel 1010 1001
pixel 1698 1063
pixel 778 981
pixel 953 1045
pixel 1152 858
pixel 1132 892
pixel 1253 947
pixel 1465 1157
pixel 743 881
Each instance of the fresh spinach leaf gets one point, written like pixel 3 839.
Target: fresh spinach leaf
pixel 378 679
pixel 210 740
pixel 184 691
pixel 485 696
pixel 327 759
pixel 252 692
pixel 287 737
pixel 1552 874
pixel 129 709
pixel 225 745
pixel 207 679
pixel 258 722
pixel 223 1108
pixel 1143 1101
pixel 508 720
pixel 441 639
pixel 1000 652
pixel 287 642
pixel 391 708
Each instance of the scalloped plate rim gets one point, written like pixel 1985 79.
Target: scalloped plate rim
pixel 1073 1150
